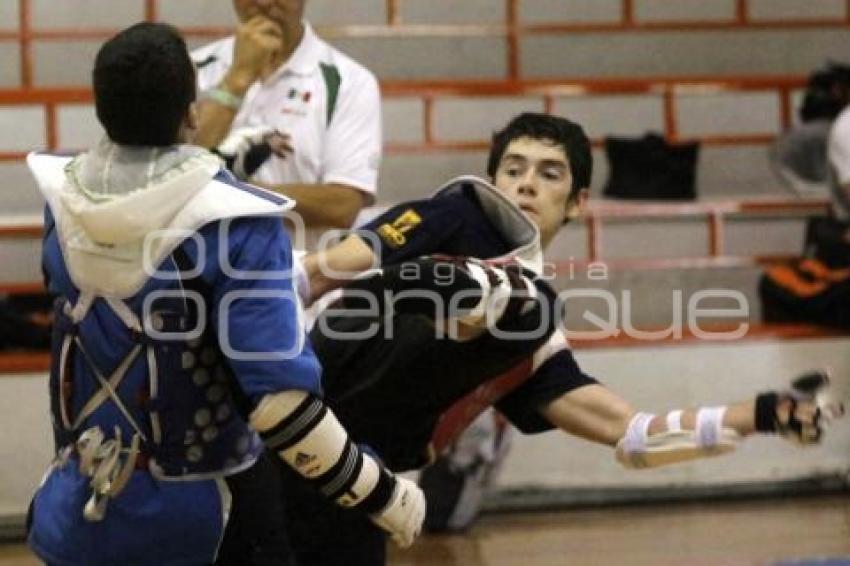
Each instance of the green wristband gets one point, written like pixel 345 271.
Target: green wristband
pixel 223 97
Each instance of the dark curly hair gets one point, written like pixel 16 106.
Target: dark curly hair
pixel 144 82
pixel 560 131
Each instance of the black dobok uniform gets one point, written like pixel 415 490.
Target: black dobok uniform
pixel 391 389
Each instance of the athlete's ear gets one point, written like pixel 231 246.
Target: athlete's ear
pixel 576 204
pixel 192 116
pixel 190 124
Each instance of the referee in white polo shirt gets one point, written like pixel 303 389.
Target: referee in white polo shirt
pixel 292 114
pixel 276 75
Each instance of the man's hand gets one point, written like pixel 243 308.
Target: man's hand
pixel 402 518
pixel 246 149
pixel 802 413
pixel 258 42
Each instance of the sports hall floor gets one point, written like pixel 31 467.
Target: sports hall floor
pixel 723 533
pixel 799 531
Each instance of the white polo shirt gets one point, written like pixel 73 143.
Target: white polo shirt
pixel 838 149
pixel 326 101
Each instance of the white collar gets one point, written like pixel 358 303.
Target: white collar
pixel 156 220
pixel 305 59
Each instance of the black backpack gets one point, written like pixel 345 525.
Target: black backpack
pixel 651 168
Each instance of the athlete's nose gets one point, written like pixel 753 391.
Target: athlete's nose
pixel 526 184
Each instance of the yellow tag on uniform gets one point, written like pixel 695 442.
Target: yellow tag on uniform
pixel 394 234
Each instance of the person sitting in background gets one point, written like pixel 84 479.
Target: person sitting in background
pixel 839 168
pixel 799 156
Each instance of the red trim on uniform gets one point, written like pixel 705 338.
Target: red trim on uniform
pixel 465 410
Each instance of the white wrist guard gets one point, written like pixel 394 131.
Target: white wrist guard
pixel 245 150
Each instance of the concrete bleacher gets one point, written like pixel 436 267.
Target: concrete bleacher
pixel 648 257
pixel 416 40
pixel 727 72
pixel 611 64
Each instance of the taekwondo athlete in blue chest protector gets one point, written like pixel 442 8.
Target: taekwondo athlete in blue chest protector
pixel 178 348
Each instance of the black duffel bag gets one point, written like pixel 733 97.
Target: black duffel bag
pixel 828 240
pixel 806 290
pixel 651 168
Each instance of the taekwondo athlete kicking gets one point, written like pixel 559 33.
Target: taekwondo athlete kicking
pixel 428 335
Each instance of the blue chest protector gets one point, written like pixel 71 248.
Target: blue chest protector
pixel 148 412
pixel 135 400
pixel 157 378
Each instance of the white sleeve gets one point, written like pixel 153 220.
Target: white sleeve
pixel 211 63
pixel 839 148
pixel 352 152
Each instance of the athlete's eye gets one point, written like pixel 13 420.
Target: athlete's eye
pixel 553 174
pixel 512 171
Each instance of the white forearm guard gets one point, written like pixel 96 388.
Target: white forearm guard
pixel 308 437
pixel 638 449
